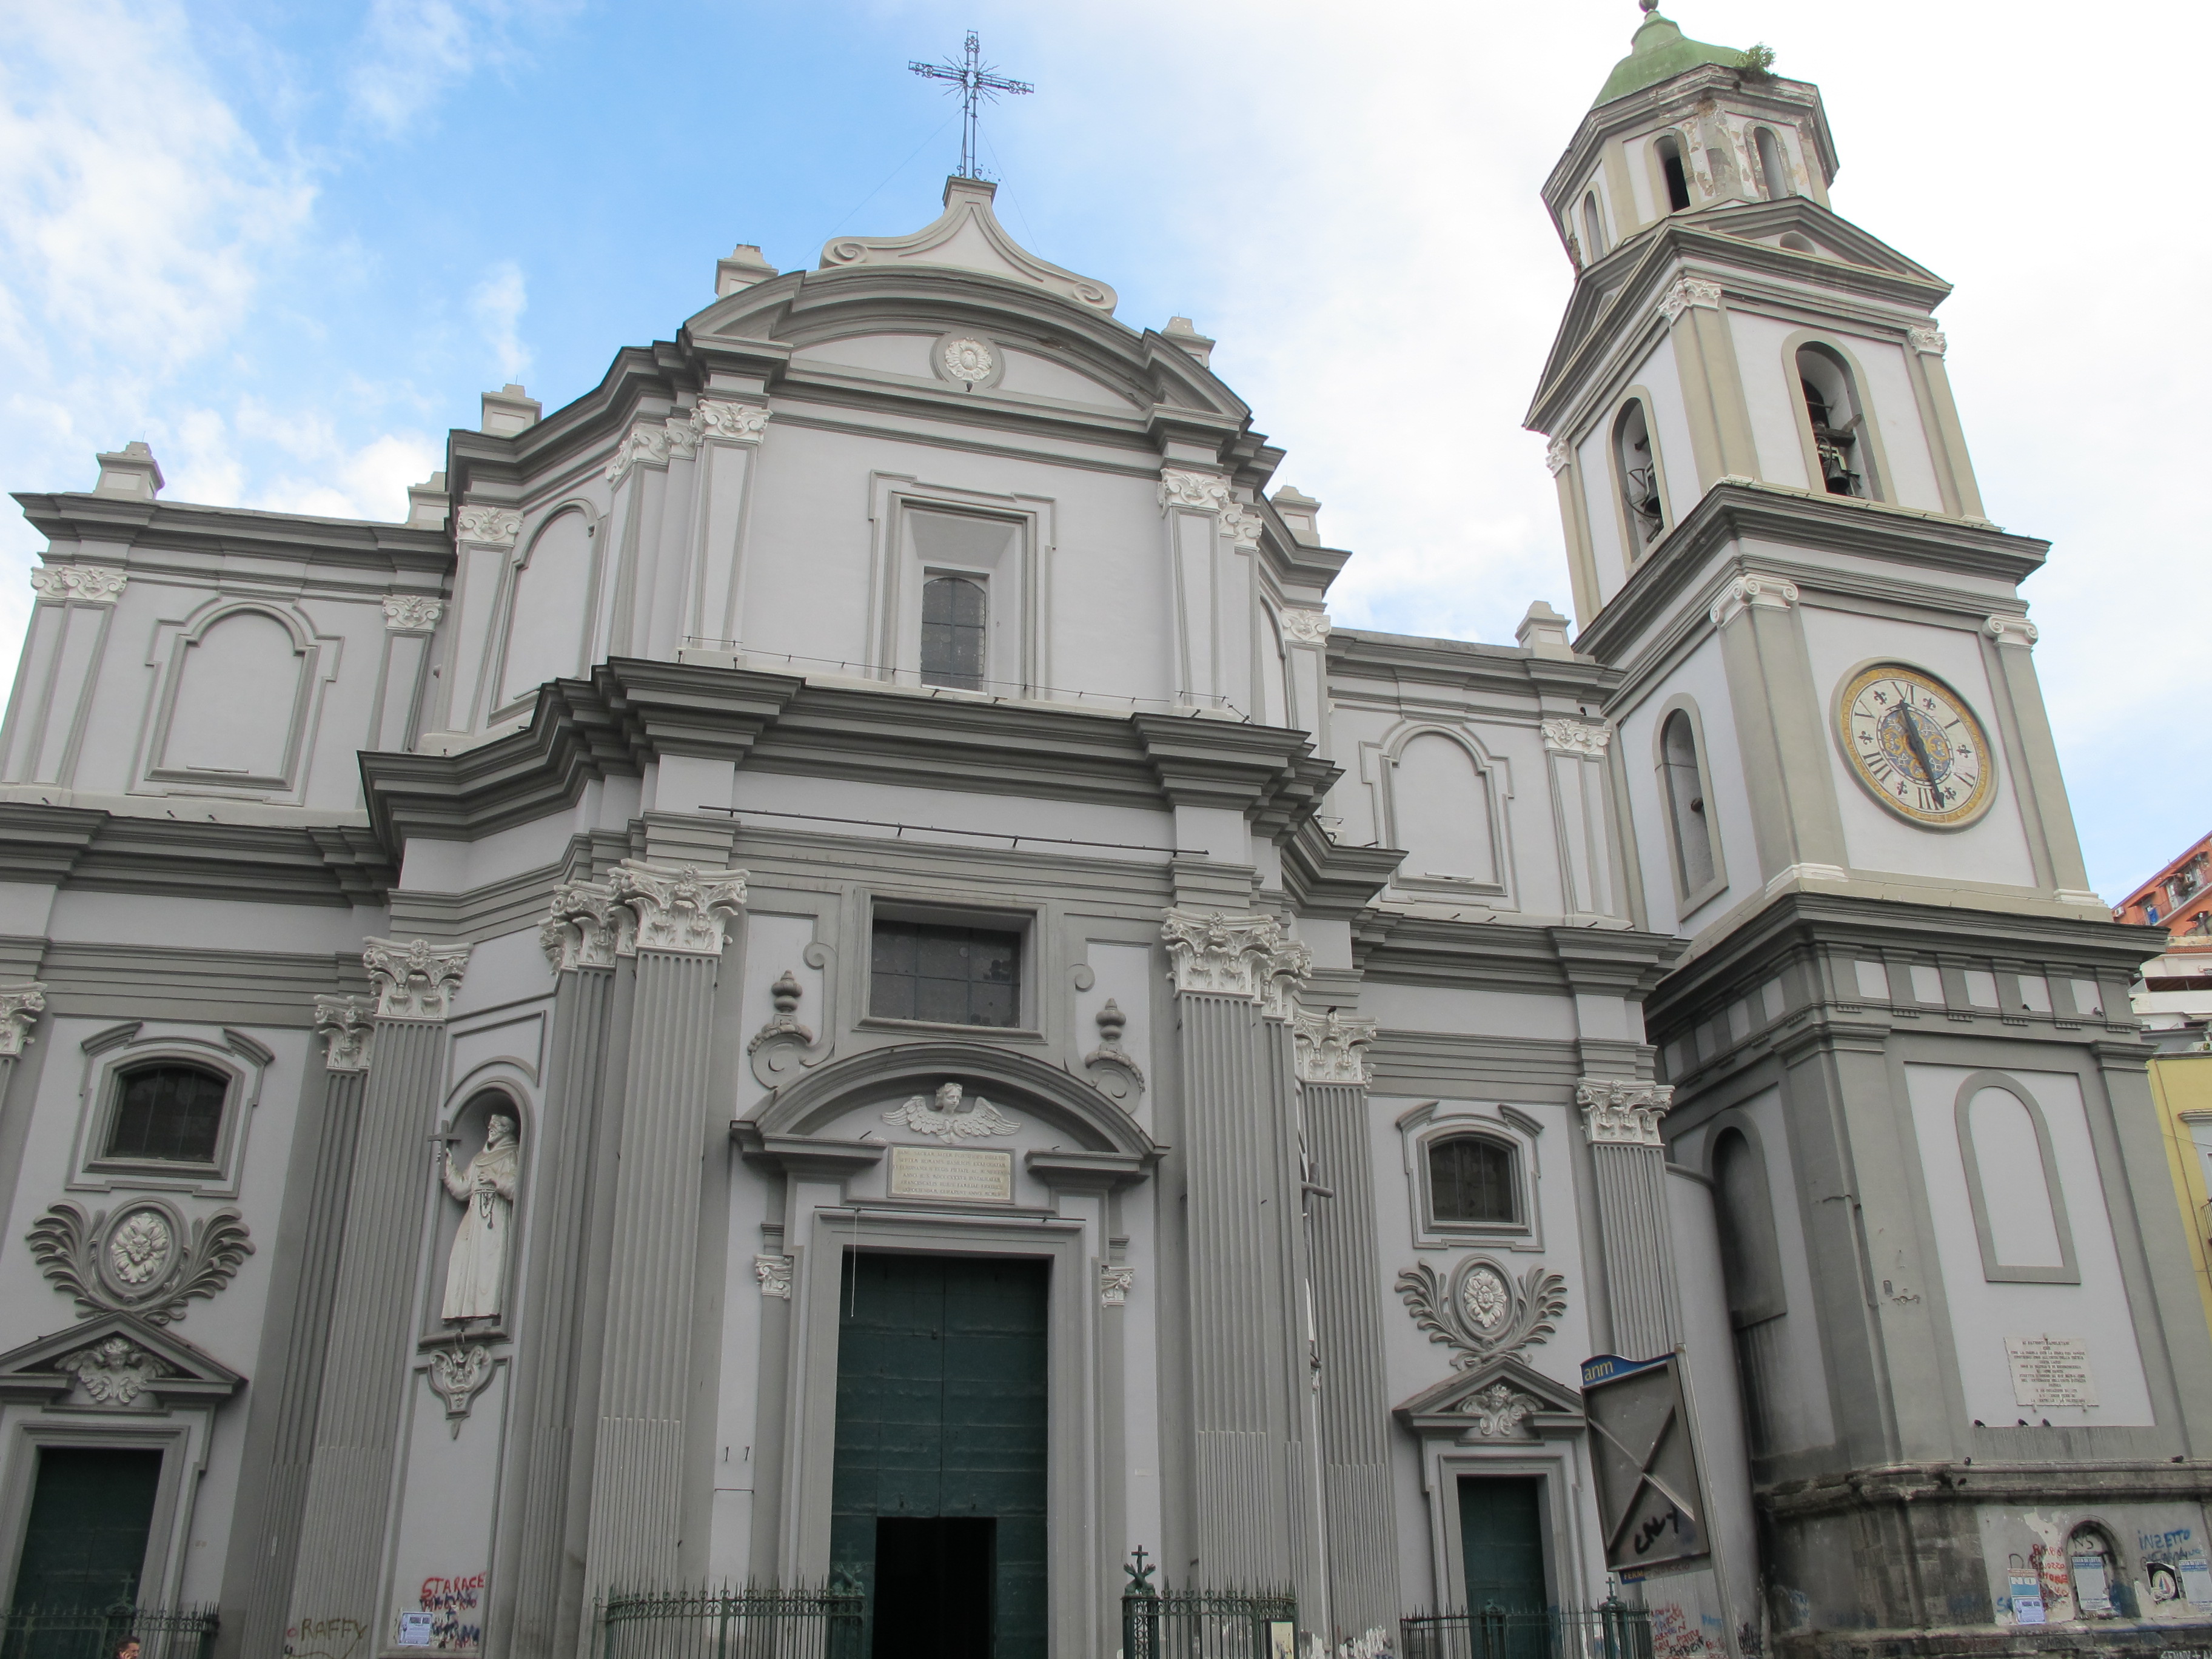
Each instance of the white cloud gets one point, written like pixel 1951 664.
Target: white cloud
pixel 498 303
pixel 412 51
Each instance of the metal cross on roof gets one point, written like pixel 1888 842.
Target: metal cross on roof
pixel 976 81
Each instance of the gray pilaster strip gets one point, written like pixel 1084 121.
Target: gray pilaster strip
pixel 366 1374
pixel 1355 1396
pixel 537 1588
pixel 1638 1258
pixel 645 1375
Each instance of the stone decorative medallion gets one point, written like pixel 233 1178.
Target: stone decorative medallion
pixel 137 1260
pixel 966 359
pixel 1482 1311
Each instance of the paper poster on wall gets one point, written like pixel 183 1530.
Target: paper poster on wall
pixel 1650 1499
pixel 415 1629
pixel 2049 1370
pixel 2027 1597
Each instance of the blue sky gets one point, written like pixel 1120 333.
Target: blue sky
pixel 290 244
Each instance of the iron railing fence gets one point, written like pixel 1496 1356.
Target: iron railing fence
pixel 1202 1624
pixel 757 1622
pixel 1611 1631
pixel 101 1632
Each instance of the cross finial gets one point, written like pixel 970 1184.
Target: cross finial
pixel 977 81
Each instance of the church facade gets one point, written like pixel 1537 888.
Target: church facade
pixel 826 966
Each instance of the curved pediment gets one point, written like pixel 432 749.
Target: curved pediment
pixel 968 235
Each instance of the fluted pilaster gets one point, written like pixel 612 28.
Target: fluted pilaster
pixel 1621 1121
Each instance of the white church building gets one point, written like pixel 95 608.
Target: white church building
pixel 825 969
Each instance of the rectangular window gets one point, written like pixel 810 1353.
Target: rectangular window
pixel 952 633
pixel 172 1112
pixel 948 975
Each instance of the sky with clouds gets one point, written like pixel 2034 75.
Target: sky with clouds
pixel 290 245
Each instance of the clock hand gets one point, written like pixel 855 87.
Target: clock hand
pixel 1919 746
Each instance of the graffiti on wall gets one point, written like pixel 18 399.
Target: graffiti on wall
pixel 326 1638
pixel 452 1605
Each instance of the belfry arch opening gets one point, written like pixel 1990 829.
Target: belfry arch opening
pixel 1838 422
pixel 1593 227
pixel 1638 460
pixel 1773 172
pixel 1669 150
pixel 1684 776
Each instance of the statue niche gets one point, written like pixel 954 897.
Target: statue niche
pixel 476 1272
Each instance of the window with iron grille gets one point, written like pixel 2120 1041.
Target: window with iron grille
pixel 945 974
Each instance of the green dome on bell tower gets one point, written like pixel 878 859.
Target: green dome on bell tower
pixel 1660 50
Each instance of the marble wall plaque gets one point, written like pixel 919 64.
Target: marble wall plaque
pixel 953 1172
pixel 2051 1371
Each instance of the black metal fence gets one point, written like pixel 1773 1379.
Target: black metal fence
pixel 1613 1631
pixel 101 1633
pixel 752 1623
pixel 1187 1624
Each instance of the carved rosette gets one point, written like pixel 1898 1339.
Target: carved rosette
pixel 686 911
pixel 774 1273
pixel 1749 593
pixel 346 1026
pixel 1241 956
pixel 1566 736
pixel 1331 1048
pixel 728 422
pixel 20 1008
pixel 1690 291
pixel 115 1371
pixel 1198 492
pixel 1617 1113
pixel 411 613
pixel 1929 339
pixel 488 526
pixel 966 359
pixel 583 927
pixel 458 1376
pixel 79 583
pixel 2011 630
pixel 1115 1282
pixel 137 1260
pixel 1557 454
pixel 415 980
pixel 1303 627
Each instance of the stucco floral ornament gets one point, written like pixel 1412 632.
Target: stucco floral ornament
pixel 1481 1310
pixel 137 1260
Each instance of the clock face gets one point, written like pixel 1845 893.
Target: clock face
pixel 1916 746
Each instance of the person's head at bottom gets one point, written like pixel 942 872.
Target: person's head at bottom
pixel 127 1648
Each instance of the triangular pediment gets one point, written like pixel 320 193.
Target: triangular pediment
pixel 969 236
pixel 115 1361
pixel 1501 1399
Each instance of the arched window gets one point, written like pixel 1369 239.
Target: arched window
pixel 1751 1258
pixel 2093 1563
pixel 168 1111
pixel 1669 149
pixel 952 621
pixel 1773 172
pixel 1639 463
pixel 1472 1180
pixel 1832 408
pixel 1593 226
pixel 1684 777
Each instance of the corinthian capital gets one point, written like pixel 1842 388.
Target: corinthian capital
pixel 1577 737
pixel 1620 1113
pixel 1331 1048
pixel 20 1007
pixel 1690 291
pixel 1201 492
pixel 488 526
pixel 415 980
pixel 79 583
pixel 685 911
pixel 1242 956
pixel 736 424
pixel 585 927
pixel 345 1026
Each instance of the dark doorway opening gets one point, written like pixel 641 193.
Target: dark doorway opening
pixel 85 1544
pixel 934 1588
pixel 1502 1539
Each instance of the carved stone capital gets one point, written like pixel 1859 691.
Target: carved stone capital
pixel 1115 1282
pixel 20 1008
pixel 1929 339
pixel 1330 1048
pixel 1303 627
pixel 728 422
pixel 1243 526
pixel 411 613
pixel 1241 956
pixel 583 927
pixel 1557 454
pixel 1690 291
pixel 486 527
pixel 685 911
pixel 415 980
pixel 79 583
pixel 2011 630
pixel 345 1024
pixel 1201 492
pixel 1619 1113
pixel 656 443
pixel 774 1273
pixel 1576 737
pixel 1745 593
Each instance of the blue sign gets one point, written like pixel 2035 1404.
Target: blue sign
pixel 1611 1367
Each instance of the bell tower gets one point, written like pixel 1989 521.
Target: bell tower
pixel 1901 1048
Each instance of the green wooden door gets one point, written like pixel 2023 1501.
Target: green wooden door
pixel 85 1541
pixel 1502 1539
pixel 941 1414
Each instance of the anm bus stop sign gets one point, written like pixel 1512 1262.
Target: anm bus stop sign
pixel 1650 1502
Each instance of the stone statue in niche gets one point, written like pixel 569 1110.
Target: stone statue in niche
pixel 478 1269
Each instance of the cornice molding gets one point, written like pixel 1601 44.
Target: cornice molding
pixel 160 528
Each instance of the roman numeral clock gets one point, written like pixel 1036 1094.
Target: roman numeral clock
pixel 1915 745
